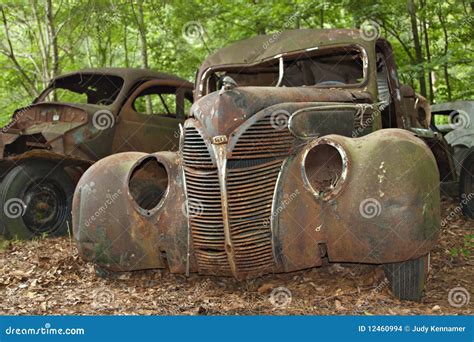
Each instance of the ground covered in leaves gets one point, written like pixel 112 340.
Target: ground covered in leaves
pixel 47 276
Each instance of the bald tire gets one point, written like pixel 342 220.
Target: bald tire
pixel 407 279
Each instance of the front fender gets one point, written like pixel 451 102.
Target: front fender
pixel 384 208
pixel 125 215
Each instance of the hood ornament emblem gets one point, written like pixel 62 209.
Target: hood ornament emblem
pixel 219 139
pixel 228 83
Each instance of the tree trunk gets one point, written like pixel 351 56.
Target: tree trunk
pixel 125 46
pixel 446 46
pixel 427 49
pixel 321 17
pixel 42 44
pixel 143 45
pixel 53 40
pixel 30 85
pixel 416 39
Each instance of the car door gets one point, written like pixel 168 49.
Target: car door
pixel 149 120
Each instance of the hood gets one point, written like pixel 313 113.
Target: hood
pixel 46 122
pixel 37 117
pixel 221 112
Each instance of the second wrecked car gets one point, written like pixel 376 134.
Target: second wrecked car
pixel 78 119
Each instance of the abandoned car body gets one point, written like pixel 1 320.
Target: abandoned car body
pixel 78 119
pixel 455 120
pixel 282 163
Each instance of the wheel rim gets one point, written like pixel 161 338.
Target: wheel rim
pixel 46 207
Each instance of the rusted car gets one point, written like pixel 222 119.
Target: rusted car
pixel 455 121
pixel 78 119
pixel 296 151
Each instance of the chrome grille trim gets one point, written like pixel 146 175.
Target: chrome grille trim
pixel 232 234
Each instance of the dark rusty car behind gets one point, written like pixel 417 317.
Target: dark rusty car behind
pixel 283 163
pixel 78 119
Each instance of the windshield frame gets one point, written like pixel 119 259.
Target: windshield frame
pixel 202 85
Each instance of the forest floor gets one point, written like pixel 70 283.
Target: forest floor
pixel 47 277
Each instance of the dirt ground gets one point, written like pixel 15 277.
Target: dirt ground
pixel 47 277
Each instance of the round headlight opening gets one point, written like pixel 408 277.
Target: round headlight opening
pixel 148 183
pixel 325 169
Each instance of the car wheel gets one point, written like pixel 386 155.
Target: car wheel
pixel 407 278
pixel 36 199
pixel 466 183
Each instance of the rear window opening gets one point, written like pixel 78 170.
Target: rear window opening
pixel 148 184
pixel 97 89
pixel 325 67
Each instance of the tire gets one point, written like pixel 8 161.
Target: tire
pixel 466 184
pixel 407 278
pixel 36 199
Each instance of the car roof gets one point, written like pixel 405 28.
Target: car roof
pixel 261 47
pixel 129 75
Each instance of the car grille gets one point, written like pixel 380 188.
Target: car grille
pixel 251 175
pixel 195 153
pixel 266 138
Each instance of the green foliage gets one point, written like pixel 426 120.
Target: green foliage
pixel 99 33
pixel 465 249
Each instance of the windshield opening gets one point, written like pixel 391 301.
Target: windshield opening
pixel 336 66
pixel 97 89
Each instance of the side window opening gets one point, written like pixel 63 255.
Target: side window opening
pixel 389 118
pixel 157 100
